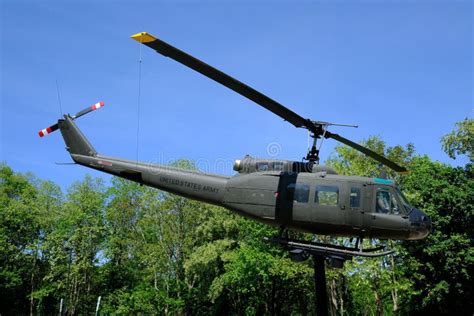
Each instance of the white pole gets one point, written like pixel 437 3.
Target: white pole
pixel 61 307
pixel 97 307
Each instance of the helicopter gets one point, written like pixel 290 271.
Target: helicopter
pixel 292 195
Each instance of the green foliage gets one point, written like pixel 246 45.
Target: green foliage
pixel 461 140
pixel 436 272
pixel 444 261
pixel 264 282
pixel 72 250
pixel 149 252
pixel 19 229
pixel 348 161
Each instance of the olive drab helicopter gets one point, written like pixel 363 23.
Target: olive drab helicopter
pixel 302 196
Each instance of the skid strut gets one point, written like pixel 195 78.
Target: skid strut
pixel 300 250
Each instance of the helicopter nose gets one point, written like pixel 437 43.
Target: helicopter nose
pixel 420 224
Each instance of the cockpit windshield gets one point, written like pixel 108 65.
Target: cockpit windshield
pixel 404 200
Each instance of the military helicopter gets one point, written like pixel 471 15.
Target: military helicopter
pixel 301 196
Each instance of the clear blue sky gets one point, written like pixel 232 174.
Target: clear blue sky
pixel 400 69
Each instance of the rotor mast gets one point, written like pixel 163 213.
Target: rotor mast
pixel 319 132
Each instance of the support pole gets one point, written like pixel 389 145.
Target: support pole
pixel 320 286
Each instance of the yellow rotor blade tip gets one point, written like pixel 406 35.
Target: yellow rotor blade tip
pixel 143 37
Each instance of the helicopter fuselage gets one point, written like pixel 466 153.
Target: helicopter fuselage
pixel 319 202
pixel 326 204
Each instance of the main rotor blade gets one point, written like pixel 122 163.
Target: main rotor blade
pixel 169 51
pixel 367 152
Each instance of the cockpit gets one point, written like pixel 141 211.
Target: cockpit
pixel 390 200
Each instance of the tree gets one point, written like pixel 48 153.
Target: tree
pixel 123 211
pixel 154 233
pixel 73 250
pixel 49 202
pixel 461 140
pixel 442 264
pixel 19 230
pixel 348 161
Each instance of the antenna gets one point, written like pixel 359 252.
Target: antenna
pixel 59 98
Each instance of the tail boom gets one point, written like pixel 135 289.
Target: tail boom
pixel 199 186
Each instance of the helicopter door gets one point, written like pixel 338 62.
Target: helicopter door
pixel 368 209
pixel 354 210
pixel 285 196
pixel 386 217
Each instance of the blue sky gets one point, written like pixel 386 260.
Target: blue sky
pixel 400 69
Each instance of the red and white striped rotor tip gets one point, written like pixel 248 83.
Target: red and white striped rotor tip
pixel 98 105
pixel 54 127
pixel 46 131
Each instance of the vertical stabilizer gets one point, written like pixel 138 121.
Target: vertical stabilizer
pixel 76 142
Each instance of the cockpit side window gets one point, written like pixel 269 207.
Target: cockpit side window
pixel 386 202
pixel 404 200
pixel 383 201
pixel 394 205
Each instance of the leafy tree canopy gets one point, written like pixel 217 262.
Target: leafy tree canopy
pixel 461 140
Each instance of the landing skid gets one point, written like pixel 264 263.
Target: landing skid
pixel 329 250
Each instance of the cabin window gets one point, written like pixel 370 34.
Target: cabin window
pixel 262 166
pixel 355 198
pixel 327 195
pixel 386 202
pixel 278 166
pixel 298 192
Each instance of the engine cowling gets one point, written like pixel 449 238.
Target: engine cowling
pixel 250 164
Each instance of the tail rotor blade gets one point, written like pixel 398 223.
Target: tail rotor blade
pixel 48 130
pixel 91 108
pixel 52 128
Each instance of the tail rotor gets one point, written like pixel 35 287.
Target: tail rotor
pixel 52 128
